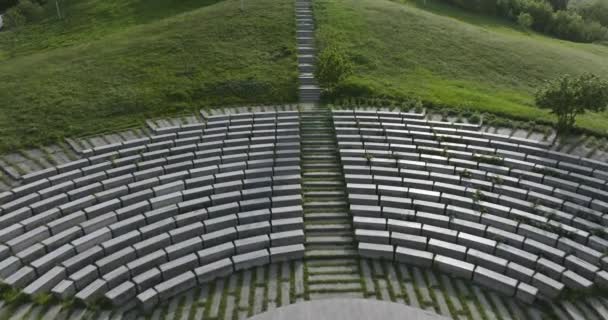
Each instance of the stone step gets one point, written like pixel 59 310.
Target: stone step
pixel 306 68
pixel 321 166
pixel 324 205
pixel 331 253
pixel 322 174
pixel 328 228
pixel 307 79
pixel 322 184
pixel 325 278
pixel 305 26
pixel 326 288
pixel 306 50
pixel 326 216
pixel 328 239
pixel 324 194
pixel 304 34
pixel 316 135
pixel 305 40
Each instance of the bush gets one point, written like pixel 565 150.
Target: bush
pixel 30 9
pixel 550 17
pixel 25 11
pixel 595 11
pixel 333 66
pixel 568 96
pixel 525 20
pixel 13 18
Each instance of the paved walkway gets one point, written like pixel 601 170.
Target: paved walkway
pixel 347 309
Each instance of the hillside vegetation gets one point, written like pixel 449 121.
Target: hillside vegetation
pixel 448 57
pixel 112 63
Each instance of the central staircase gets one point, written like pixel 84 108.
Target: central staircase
pixel 308 90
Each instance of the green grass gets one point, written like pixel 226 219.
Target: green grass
pixel 113 63
pixel 448 57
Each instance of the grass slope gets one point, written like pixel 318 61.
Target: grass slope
pixel 113 63
pixel 448 57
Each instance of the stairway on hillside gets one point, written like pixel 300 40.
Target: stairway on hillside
pixel 328 224
pixel 308 90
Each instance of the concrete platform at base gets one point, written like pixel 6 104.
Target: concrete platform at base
pixel 347 309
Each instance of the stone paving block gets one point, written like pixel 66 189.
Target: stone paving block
pixel 476 242
pixel 84 276
pixel 486 260
pixel 117 276
pixel 251 259
pixel 46 282
pixel 454 267
pixel 187 232
pixel 80 260
pixel 406 227
pixel 219 237
pixel 254 216
pixel 495 281
pixel 284 253
pixel 152 244
pixel 174 286
pixel 179 265
pixel 145 262
pixel 287 212
pixel 149 278
pixel 21 277
pixel 215 253
pixel 447 249
pixel 519 272
pixel 526 293
pixel 547 286
pixel 253 229
pixel 419 258
pixel 372 236
pixel 439 233
pixel 115 260
pixel 92 292
pixel 155 228
pixel 575 281
pixel 287 238
pixel 408 241
pixel 251 244
pixel 376 251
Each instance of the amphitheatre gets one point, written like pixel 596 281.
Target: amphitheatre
pixel 293 206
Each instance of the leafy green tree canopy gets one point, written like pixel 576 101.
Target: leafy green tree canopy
pixel 333 66
pixel 569 96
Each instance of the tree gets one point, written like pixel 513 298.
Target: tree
pixel 333 66
pixel 569 96
pixel 525 20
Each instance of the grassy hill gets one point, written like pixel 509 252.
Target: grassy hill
pixel 446 56
pixel 112 63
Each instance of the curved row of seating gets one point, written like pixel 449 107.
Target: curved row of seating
pixel 484 209
pixel 136 215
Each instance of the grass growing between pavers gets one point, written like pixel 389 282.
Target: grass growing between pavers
pixel 448 57
pixel 113 63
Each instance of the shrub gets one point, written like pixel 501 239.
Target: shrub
pixel 525 20
pixel 333 66
pixel 25 11
pixel 13 18
pixel 31 10
pixel 595 11
pixel 568 96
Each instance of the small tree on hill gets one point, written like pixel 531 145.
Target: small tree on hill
pixel 333 67
pixel 569 96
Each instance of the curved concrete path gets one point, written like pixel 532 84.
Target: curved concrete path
pixel 347 309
